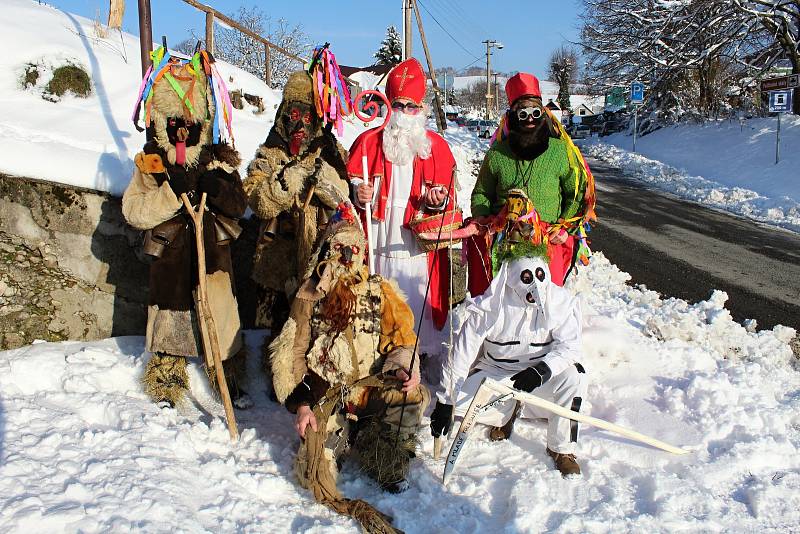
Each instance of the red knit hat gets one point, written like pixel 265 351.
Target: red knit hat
pixel 522 84
pixel 406 80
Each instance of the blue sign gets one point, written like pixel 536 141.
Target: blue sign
pixel 780 101
pixel 637 93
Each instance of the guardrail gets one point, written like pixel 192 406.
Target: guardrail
pixel 212 14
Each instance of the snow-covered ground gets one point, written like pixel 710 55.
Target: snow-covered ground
pixel 83 450
pixel 722 164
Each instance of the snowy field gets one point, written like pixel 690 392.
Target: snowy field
pixel 83 450
pixel 721 164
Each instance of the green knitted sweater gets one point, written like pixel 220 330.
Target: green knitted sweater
pixel 549 181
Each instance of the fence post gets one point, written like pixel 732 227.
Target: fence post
pixel 210 32
pixel 267 66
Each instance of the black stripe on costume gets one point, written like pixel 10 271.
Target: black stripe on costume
pixel 501 359
pixel 573 425
pixel 503 343
pixel 542 344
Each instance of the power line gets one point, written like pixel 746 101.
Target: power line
pixel 447 32
pixel 459 13
pixel 448 19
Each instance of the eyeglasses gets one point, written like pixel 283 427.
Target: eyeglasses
pixel 411 109
pixel 526 113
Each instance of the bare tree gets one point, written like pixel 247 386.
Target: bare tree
pixel 246 53
pixel 690 53
pixel 563 69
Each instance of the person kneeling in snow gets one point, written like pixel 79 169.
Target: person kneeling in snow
pixel 524 332
pixel 341 365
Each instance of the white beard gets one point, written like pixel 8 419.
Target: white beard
pixel 405 137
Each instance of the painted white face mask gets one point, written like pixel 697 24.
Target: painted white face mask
pixel 528 280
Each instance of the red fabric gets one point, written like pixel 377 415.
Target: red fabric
pixel 479 263
pixel 560 259
pixel 407 80
pixel 522 84
pixel 436 170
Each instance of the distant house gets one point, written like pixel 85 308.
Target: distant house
pixel 582 110
pixel 552 106
pixel 366 78
pixel 363 78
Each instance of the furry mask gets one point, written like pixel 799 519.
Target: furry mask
pixel 297 122
pixel 182 126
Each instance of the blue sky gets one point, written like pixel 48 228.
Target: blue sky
pixel 530 30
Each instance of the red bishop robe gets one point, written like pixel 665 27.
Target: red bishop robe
pixel 438 169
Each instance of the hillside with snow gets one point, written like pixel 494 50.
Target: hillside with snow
pixel 83 450
pixel 723 164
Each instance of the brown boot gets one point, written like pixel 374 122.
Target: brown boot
pixel 565 463
pixel 500 433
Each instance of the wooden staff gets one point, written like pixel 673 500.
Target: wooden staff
pixel 205 320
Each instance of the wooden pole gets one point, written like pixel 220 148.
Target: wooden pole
pixel 145 34
pixel 267 66
pixel 210 32
pixel 205 320
pixel 407 37
pixel 441 125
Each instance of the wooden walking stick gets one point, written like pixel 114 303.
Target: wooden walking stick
pixel 205 320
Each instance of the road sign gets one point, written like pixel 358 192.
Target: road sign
pixel 615 98
pixel 445 81
pixel 637 93
pixel 780 101
pixel 781 82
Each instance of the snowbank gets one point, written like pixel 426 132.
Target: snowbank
pixel 719 164
pixel 90 142
pixel 82 449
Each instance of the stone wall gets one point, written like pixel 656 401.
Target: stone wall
pixel 71 268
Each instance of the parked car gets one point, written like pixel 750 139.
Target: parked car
pixel 484 128
pixel 581 131
pixel 461 121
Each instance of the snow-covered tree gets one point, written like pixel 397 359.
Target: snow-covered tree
pixel 391 50
pixel 245 52
pixel 563 69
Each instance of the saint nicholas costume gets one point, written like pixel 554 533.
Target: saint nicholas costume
pixel 399 199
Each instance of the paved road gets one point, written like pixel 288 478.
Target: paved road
pixel 682 249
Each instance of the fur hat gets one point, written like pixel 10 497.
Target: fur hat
pixel 298 88
pixel 345 227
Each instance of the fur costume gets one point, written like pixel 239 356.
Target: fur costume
pixel 152 202
pixel 297 155
pixel 347 335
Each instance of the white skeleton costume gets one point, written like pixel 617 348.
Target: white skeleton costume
pixel 522 321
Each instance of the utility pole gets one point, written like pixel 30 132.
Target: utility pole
pixel 145 34
pixel 407 38
pixel 496 93
pixel 441 124
pixel 489 45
